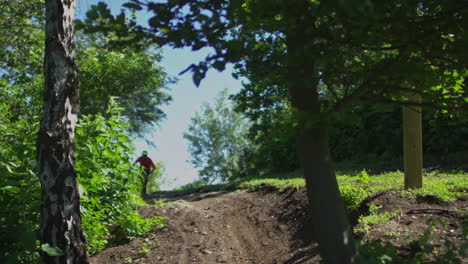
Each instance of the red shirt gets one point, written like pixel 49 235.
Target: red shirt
pixel 146 162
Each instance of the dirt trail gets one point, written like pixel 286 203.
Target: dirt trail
pixel 219 227
pixel 267 227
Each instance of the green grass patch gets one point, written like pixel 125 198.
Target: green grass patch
pixel 281 184
pixel 200 186
pixel 357 186
pixel 158 203
pixel 375 218
pixel 440 187
pixel 374 183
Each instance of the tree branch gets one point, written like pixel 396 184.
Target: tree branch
pixel 18 25
pixel 350 98
pixel 410 103
pixel 430 210
pixel 332 91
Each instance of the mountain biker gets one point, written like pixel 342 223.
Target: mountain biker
pixel 149 167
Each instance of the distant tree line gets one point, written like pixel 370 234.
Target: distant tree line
pixel 361 134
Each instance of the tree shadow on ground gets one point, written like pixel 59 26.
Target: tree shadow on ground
pixel 188 196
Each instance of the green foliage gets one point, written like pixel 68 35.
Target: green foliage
pixel 133 225
pixel 155 177
pixel 374 218
pixel 256 184
pixel 109 183
pixel 425 249
pixel 364 51
pixel 355 192
pixel 386 180
pixel 355 187
pixel 364 133
pixel 271 115
pixel 383 251
pixel 133 76
pixel 200 186
pixel 96 231
pixel 51 250
pixel 160 203
pixel 439 187
pixel 144 250
pixel 104 148
pixel 217 141
pixel 193 185
pixel 378 251
pixel 21 37
pixel 19 185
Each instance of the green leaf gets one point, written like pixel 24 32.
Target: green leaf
pixel 11 189
pixel 8 168
pixel 13 164
pixel 32 173
pixel 52 250
pixel 165 30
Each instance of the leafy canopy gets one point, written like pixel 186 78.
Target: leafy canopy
pixel 372 51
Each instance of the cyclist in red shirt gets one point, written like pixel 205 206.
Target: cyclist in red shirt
pixel 149 167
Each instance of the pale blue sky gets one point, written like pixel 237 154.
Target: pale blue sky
pixel 187 98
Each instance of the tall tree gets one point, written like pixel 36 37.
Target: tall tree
pixel 132 75
pixel 217 138
pixel 268 108
pixel 61 233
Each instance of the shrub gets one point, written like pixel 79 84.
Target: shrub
pixel 110 185
pixel 354 193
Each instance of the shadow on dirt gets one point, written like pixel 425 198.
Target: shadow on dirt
pixel 188 196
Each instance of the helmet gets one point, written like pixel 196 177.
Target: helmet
pixel 144 153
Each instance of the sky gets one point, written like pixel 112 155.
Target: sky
pixel 187 99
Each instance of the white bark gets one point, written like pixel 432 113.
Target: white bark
pixel 60 214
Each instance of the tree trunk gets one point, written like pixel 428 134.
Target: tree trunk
pixel 60 212
pixel 330 223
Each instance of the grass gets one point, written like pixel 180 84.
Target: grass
pixel 440 186
pixel 281 184
pixel 200 186
pixel 356 186
pixel 375 218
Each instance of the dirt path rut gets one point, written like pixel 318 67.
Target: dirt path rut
pixel 218 227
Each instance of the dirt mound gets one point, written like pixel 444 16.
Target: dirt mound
pixel 416 220
pixel 221 227
pixel 267 227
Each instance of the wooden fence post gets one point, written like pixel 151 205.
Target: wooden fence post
pixel 412 143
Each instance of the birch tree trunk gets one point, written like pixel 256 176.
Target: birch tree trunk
pixel 60 225
pixel 330 223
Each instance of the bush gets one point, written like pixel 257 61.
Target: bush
pixel 19 185
pixel 133 225
pixel 354 193
pixel 110 185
